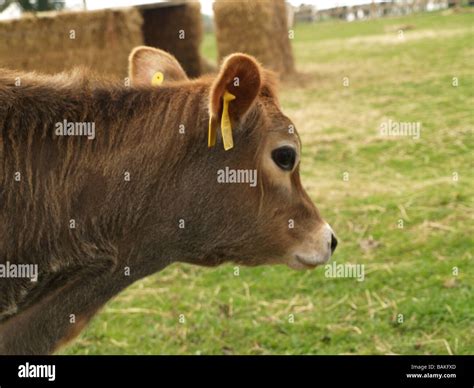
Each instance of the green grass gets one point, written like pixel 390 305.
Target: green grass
pixel 408 271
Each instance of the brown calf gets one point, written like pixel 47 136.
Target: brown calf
pixel 101 185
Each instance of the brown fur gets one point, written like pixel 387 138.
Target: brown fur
pixel 131 224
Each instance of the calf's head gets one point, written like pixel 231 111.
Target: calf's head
pixel 237 188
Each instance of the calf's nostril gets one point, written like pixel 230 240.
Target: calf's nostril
pixel 333 243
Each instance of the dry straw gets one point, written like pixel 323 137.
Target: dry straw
pixel 52 42
pixel 258 28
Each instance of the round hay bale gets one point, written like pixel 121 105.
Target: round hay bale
pixel 102 41
pixel 258 28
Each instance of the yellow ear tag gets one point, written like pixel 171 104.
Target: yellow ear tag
pixel 157 78
pixel 226 126
pixel 212 132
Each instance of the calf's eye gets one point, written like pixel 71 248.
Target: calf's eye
pixel 284 157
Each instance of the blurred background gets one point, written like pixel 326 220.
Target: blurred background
pixel 401 201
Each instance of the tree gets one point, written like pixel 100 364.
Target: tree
pixel 36 5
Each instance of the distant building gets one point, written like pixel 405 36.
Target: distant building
pixel 305 13
pixel 370 9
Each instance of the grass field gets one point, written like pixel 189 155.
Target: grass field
pixel 410 302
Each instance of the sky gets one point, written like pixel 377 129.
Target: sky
pixel 206 5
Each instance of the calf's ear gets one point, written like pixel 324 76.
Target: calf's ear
pixel 151 66
pixel 232 94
